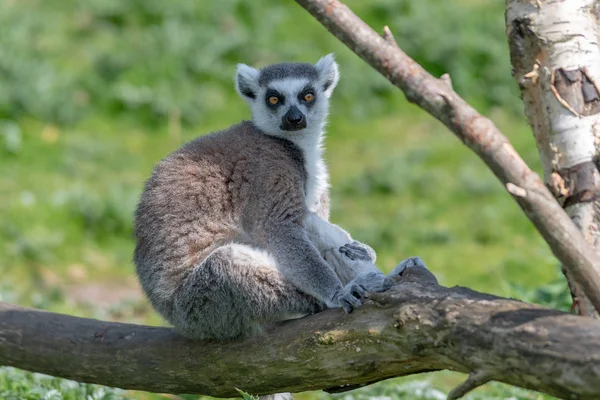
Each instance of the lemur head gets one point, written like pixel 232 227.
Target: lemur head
pixel 289 98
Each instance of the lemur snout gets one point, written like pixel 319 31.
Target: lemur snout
pixel 293 120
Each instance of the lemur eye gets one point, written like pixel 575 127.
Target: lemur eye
pixel 308 97
pixel 273 100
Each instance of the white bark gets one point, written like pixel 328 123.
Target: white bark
pixel 556 61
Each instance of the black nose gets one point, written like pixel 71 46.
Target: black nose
pixel 294 116
pixel 293 120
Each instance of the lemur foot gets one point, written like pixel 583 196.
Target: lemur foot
pixel 411 262
pixel 374 281
pixel 358 251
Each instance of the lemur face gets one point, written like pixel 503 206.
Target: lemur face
pixel 289 98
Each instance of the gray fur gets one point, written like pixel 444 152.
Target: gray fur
pixel 282 71
pixel 198 202
pixel 232 231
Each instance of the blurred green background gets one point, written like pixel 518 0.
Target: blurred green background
pixel 94 92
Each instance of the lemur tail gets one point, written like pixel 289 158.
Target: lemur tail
pixel 235 292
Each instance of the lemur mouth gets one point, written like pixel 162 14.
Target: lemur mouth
pixel 292 128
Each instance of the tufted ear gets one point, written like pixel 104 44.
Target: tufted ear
pixel 328 73
pixel 246 82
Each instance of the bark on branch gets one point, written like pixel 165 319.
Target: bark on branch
pixel 477 132
pixel 415 327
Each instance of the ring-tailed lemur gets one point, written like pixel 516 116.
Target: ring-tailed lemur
pixel 232 229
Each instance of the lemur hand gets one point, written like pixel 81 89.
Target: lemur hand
pixel 358 251
pixel 349 297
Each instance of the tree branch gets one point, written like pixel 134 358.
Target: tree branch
pixel 474 380
pixel 477 132
pixel 415 327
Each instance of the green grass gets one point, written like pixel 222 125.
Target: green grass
pixel 411 191
pixel 66 222
pixel 94 92
pixel 19 385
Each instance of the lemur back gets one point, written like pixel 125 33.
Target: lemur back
pixel 199 200
pixel 232 231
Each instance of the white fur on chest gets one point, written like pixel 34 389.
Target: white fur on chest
pixel 317 178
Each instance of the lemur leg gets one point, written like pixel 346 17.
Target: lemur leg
pixel 235 292
pixel 351 260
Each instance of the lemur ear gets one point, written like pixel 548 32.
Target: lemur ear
pixel 246 82
pixel 329 73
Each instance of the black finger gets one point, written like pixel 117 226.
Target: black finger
pixel 345 251
pixel 358 291
pixel 354 301
pixel 346 305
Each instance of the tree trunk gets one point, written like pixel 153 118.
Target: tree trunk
pixel 556 62
pixel 416 326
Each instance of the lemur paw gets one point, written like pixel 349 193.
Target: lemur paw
pixel 358 251
pixel 411 262
pixel 374 281
pixel 349 297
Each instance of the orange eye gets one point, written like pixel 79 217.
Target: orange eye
pixel 308 97
pixel 273 100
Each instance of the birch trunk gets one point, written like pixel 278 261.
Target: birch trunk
pixel 556 62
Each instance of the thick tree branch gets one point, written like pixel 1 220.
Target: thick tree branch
pixel 477 132
pixel 415 327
